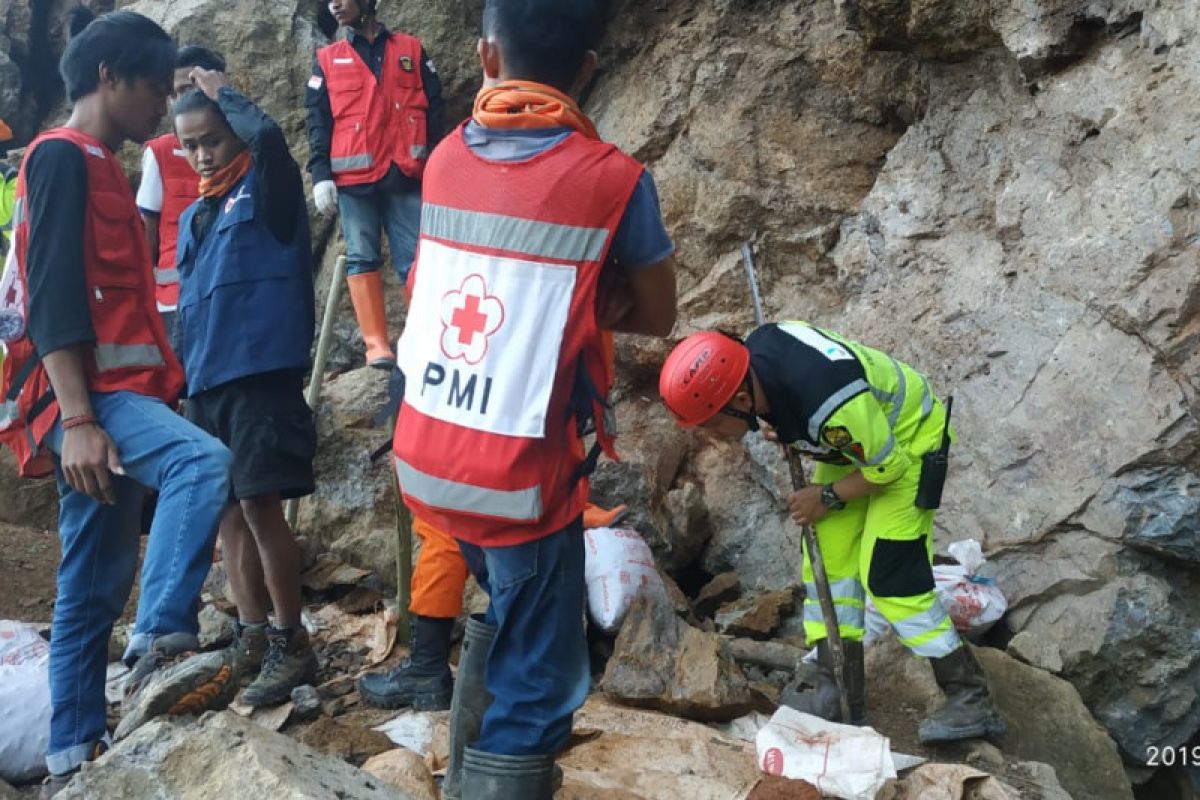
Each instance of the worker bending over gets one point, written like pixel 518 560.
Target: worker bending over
pixel 869 421
pixel 245 332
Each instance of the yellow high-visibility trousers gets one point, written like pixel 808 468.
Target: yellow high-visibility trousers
pixel 880 546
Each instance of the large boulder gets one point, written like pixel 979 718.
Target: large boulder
pixel 221 755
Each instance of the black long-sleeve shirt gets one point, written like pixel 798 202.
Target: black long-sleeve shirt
pixel 57 187
pixel 280 184
pixel 320 115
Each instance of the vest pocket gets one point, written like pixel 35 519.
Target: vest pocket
pixel 117 244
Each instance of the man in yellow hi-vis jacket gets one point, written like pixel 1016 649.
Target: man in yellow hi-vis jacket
pixel 868 420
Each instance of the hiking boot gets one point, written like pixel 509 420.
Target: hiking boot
pixel 53 784
pixel 470 701
pixel 423 679
pixel 968 712
pixel 247 652
pixel 172 679
pixel 824 701
pixel 289 662
pixel 489 776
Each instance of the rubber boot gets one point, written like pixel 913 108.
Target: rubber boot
pixel 423 679
pixel 968 712
pixel 366 294
pixel 469 703
pixel 489 776
pixel 825 700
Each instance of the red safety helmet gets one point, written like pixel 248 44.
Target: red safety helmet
pixel 702 375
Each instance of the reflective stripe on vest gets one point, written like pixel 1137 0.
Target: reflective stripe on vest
pixel 122 356
pixel 8 413
pixel 419 151
pixel 166 277
pixel 513 234
pixel 351 163
pixel 522 505
pixel 832 404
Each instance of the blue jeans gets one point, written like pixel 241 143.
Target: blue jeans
pixel 363 218
pixel 537 669
pixel 190 470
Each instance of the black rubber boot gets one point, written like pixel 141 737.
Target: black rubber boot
pixel 423 679
pixel 968 712
pixel 470 702
pixel 825 700
pixel 488 776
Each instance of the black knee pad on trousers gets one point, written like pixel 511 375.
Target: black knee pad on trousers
pixel 900 568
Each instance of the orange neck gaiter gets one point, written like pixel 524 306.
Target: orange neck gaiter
pixel 219 184
pixel 524 104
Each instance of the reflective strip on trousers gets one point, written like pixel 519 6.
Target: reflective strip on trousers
pixel 419 151
pixel 832 404
pixel 348 163
pixel 848 616
pixel 121 356
pixel 166 277
pixel 929 633
pixel 514 234
pixel 521 505
pixel 848 599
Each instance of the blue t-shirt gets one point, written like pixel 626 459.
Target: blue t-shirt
pixel 641 239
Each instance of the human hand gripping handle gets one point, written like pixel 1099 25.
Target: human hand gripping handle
pixel 325 197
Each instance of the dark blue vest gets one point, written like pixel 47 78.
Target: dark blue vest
pixel 245 299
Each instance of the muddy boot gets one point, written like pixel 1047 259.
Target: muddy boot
pixel 248 650
pixel 968 712
pixel 289 662
pixel 469 703
pixel 423 679
pixel 172 679
pixel 825 700
pixel 488 776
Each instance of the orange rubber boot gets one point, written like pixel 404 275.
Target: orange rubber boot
pixel 366 294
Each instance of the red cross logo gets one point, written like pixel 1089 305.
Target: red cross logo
pixel 469 317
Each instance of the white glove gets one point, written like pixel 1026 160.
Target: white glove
pixel 325 197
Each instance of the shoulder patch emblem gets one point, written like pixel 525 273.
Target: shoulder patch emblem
pixel 837 436
pixel 406 64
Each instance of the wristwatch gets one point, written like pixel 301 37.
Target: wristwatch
pixel 830 499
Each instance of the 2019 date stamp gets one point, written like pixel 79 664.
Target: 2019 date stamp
pixel 1178 756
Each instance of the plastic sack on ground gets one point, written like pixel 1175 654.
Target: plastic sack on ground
pixel 843 761
pixel 618 566
pixel 20 643
pixel 24 720
pixel 973 603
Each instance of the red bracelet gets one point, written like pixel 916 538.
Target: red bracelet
pixel 75 422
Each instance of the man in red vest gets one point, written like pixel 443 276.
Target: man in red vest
pixel 169 185
pixel 85 387
pixel 374 112
pixel 528 222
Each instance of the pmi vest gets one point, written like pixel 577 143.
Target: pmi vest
pixel 246 299
pixel 810 373
pixel 131 351
pixel 376 123
pixel 180 188
pixel 503 356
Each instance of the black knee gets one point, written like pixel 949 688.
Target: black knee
pixel 900 568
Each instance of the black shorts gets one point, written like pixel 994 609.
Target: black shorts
pixel 264 420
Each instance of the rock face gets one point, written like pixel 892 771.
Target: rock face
pixel 221 755
pixel 756 617
pixel 1048 722
pixel 30 503
pixel 663 663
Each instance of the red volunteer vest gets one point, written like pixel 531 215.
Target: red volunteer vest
pixel 180 188
pixel 502 351
pixel 376 123
pixel 131 352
